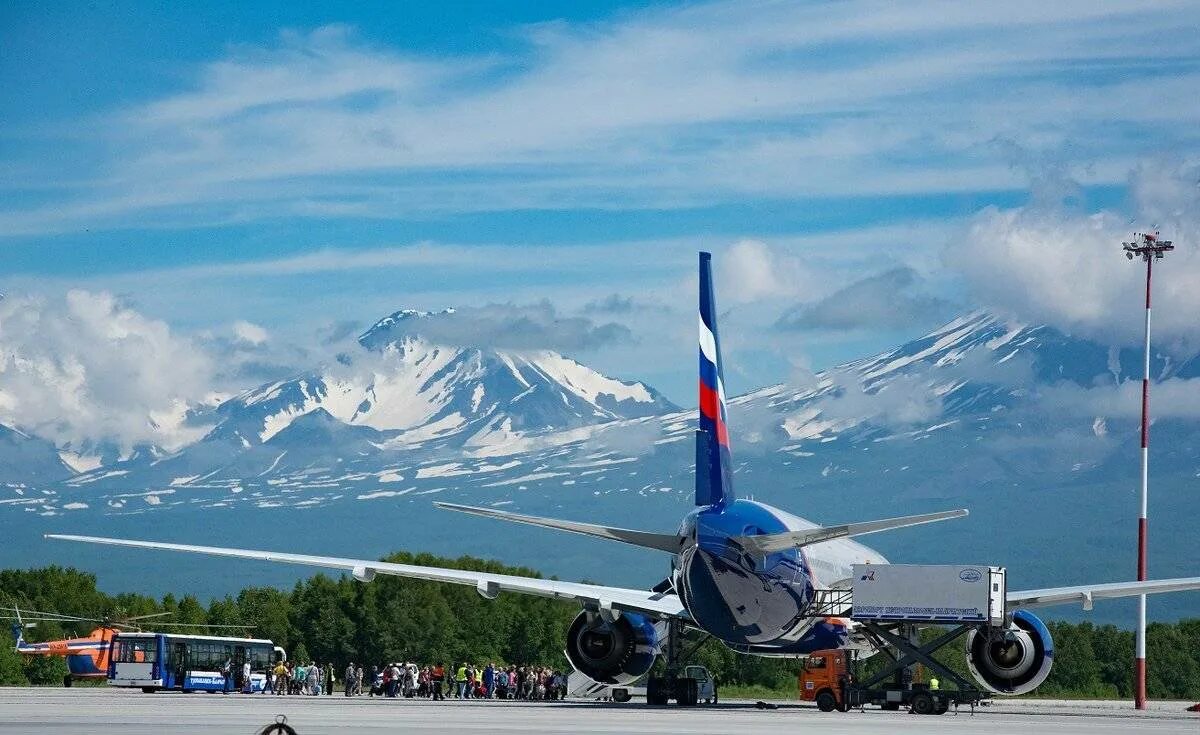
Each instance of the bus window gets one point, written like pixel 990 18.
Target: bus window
pixel 136 650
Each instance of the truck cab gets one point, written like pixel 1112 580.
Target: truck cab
pixel 824 679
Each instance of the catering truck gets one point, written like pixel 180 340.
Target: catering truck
pixel 892 603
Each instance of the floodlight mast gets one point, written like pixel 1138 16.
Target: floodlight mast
pixel 1149 248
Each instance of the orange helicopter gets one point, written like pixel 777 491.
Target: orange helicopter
pixel 87 657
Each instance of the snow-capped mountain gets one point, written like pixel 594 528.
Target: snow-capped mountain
pixel 415 391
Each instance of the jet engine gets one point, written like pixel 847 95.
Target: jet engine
pixel 616 652
pixel 1015 661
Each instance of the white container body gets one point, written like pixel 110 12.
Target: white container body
pixel 942 593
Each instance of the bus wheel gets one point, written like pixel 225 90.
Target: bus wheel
pixel 149 690
pixel 826 702
pixel 68 681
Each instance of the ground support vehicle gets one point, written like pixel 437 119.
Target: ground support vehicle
pixel 889 604
pixel 579 686
pixel 830 678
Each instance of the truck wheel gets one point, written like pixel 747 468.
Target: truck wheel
pixel 149 690
pixel 620 695
pixel 826 702
pixel 941 707
pixel 922 703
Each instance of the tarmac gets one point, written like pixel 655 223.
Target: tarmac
pixel 50 711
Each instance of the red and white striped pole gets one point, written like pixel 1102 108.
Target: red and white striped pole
pixel 1149 248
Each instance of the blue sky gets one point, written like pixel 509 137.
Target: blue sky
pixel 295 166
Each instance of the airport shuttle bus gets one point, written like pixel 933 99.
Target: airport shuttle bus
pixel 154 661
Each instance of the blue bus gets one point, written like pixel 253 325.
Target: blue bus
pixel 187 663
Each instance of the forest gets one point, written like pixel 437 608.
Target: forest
pixel 393 619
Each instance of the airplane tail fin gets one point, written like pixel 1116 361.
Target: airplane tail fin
pixel 714 462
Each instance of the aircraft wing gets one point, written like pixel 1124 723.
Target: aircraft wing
pixel 663 605
pixel 766 543
pixel 1087 594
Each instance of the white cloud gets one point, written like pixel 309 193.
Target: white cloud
pixel 89 368
pixel 250 333
pixel 751 270
pixel 1050 264
pixel 666 107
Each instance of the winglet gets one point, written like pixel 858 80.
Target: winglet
pixel 714 461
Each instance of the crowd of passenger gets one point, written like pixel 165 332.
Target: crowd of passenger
pixel 408 680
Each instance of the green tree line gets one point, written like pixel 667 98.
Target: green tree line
pixel 392 619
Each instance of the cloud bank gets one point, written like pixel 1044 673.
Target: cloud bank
pixel 89 368
pixel 538 326
pixel 887 300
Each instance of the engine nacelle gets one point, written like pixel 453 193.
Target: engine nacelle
pixel 1015 663
pixel 616 652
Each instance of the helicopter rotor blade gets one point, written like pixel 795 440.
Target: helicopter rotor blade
pixel 145 617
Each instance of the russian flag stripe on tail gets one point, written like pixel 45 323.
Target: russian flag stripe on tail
pixel 714 475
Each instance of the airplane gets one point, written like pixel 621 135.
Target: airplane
pixel 742 571
pixel 86 656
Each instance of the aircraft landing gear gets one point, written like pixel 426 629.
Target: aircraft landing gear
pixel 67 680
pixel 684 690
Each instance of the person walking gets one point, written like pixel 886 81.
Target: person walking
pixel 489 680
pixel 247 682
pixel 281 679
pixel 349 684
pixel 437 681
pixel 313 678
pixel 330 679
pixel 461 680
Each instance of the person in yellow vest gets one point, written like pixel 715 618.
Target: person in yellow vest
pixel 461 680
pixel 933 682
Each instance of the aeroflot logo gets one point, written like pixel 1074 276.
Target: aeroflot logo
pixel 970 575
pixel 868 577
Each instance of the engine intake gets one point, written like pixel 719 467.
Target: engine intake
pixel 1015 663
pixel 616 652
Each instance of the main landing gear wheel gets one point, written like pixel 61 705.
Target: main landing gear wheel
pixel 656 691
pixel 826 702
pixel 67 680
pixel 687 692
pixel 621 695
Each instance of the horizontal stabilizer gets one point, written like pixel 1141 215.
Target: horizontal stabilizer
pixel 668 542
pixel 767 543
